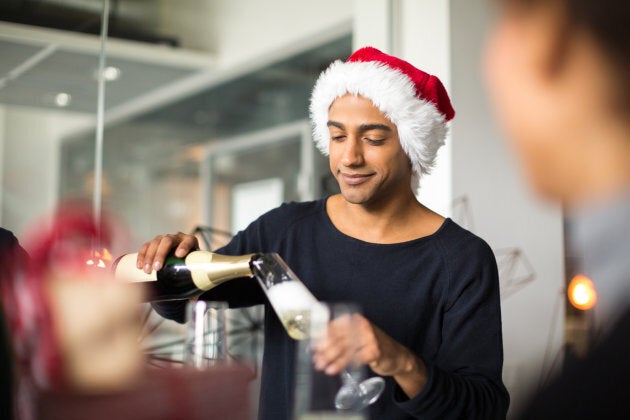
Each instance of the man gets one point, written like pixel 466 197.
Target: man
pixel 558 76
pixel 428 289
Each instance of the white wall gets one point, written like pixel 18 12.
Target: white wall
pixel 30 163
pixel 502 208
pixel 238 30
pixel 371 24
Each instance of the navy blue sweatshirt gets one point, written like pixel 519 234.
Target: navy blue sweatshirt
pixel 437 295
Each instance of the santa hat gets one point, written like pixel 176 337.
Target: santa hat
pixel 416 102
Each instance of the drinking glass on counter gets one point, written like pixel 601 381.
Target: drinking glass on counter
pixel 205 344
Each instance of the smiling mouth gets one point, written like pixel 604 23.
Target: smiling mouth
pixel 355 179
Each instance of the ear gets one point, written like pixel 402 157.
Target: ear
pixel 554 39
pixel 561 40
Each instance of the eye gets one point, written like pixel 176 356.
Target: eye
pixel 338 138
pixel 375 142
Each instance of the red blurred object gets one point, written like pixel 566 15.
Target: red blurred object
pixel 65 240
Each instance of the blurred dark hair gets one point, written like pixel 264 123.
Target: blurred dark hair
pixel 606 21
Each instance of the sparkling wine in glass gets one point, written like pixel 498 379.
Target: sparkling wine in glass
pixel 304 317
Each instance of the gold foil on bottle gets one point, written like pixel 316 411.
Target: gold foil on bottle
pixel 208 269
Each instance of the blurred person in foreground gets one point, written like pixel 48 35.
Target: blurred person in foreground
pixel 69 327
pixel 427 288
pixel 558 73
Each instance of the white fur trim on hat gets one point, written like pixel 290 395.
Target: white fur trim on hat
pixel 421 127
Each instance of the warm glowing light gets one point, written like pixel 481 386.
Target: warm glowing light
pixel 106 255
pixel 100 258
pixel 582 292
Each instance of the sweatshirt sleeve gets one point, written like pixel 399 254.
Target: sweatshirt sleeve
pixel 464 379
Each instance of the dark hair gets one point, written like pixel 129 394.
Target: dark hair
pixel 606 21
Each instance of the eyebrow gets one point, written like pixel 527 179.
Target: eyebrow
pixel 362 127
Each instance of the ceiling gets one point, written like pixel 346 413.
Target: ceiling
pixel 37 64
pixel 133 20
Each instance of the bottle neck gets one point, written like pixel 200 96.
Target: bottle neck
pixel 208 269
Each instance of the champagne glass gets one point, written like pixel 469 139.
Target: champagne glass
pixel 303 317
pixel 353 394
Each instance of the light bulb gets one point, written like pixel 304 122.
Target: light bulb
pixel 581 292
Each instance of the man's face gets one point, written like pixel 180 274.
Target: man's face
pixel 366 157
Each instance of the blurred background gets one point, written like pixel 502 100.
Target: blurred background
pixel 205 127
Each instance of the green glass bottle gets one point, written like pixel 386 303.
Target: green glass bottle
pixel 184 278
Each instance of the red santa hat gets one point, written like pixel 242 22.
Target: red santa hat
pixel 416 102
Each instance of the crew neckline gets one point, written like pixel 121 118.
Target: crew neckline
pixel 331 226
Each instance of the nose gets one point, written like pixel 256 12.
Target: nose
pixel 352 153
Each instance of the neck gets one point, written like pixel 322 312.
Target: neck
pixel 399 219
pixel 605 169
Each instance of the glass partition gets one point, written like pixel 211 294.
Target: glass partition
pixel 152 163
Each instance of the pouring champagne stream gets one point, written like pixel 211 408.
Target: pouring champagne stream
pixel 304 317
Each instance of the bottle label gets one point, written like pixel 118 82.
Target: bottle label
pixel 126 270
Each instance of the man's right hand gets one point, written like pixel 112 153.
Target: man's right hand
pixel 153 253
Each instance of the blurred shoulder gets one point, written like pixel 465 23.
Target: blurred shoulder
pixel 7 238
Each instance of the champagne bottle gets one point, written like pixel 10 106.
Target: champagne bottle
pixel 183 278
